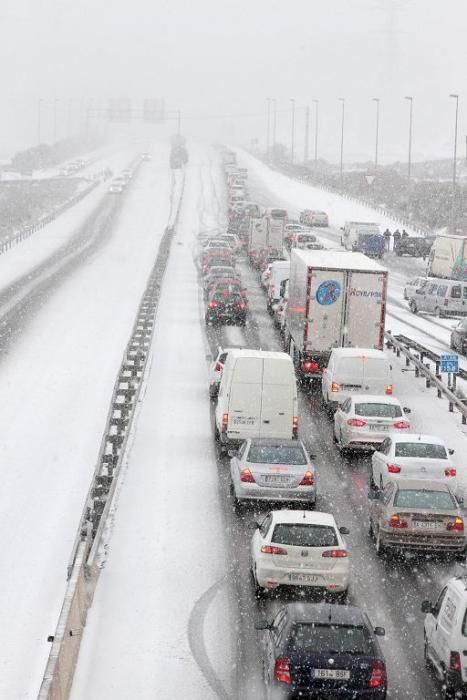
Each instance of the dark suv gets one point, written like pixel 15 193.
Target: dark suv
pixel 418 247
pixel 226 307
pixel 323 651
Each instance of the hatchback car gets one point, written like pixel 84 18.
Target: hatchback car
pixel 417 514
pixel 413 456
pixel 218 272
pixel 459 337
pixel 322 651
pixel 265 469
pixel 217 259
pixel 300 548
pixel 226 308
pixel 224 284
pixel 363 421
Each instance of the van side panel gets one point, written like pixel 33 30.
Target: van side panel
pixel 365 311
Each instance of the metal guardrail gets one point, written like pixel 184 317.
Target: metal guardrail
pixel 83 570
pixel 400 344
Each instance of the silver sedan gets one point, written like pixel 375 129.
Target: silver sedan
pixel 268 469
pixel 363 421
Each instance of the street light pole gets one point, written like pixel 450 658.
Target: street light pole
pixel 274 120
pixel 179 122
pixel 268 125
pixel 377 100
pixel 39 102
pixel 292 138
pixel 342 100
pixel 307 134
pixel 454 167
pixel 409 160
pixel 70 104
pixel 316 131
pixel 55 120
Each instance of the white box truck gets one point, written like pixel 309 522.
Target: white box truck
pixel 336 299
pixel 257 397
pixel 448 257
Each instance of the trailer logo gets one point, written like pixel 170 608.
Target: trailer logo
pixel 328 292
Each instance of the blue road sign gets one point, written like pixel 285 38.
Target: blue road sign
pixel 449 363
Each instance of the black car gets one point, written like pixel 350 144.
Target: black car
pixel 226 307
pixel 459 337
pixel 323 651
pixel 417 246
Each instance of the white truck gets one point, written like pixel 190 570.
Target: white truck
pixel 448 257
pixel 335 299
pixel 266 231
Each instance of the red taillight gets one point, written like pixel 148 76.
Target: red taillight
pixel 213 305
pixel 225 421
pixel 450 472
pixel 389 389
pixel 455 661
pixel 241 305
pixel 356 422
pixel 308 479
pixel 270 549
pixel 295 426
pixel 401 425
pixel 394 469
pixel 282 670
pixel 456 525
pixel 334 386
pixel 246 476
pixel 378 675
pixel 336 553
pixel 218 367
pixel 397 522
pixel 309 366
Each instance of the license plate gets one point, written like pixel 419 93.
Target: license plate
pixel 304 578
pixel 336 673
pixel 242 420
pixel 379 427
pixel 273 479
pixel 423 525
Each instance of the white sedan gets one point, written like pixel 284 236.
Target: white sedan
pixel 300 548
pixel 413 456
pixel 363 421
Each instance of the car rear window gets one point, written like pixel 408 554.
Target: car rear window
pixel 297 535
pixel 330 639
pixel 420 449
pixel 276 454
pixel 378 410
pixel 433 500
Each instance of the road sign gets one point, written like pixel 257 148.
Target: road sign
pixel 449 363
pixel 370 179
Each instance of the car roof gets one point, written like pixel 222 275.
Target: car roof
pixel 421 485
pixel 325 613
pixel 303 517
pixel 418 437
pixel 374 398
pixel 276 441
pixel 358 352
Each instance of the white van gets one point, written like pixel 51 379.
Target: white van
pixel 257 397
pixel 355 371
pixel 280 270
pixel 445 635
pixel 440 297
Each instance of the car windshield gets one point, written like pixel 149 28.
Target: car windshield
pixel 426 450
pixel 330 639
pixel 276 454
pixel 306 238
pixel 433 500
pixel 298 535
pixel 378 410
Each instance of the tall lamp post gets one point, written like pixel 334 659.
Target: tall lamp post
pixel 274 121
pixel 55 120
pixel 454 166
pixel 292 136
pixel 268 125
pixel 342 100
pixel 307 134
pixel 409 159
pixel 316 103
pixel 377 101
pixel 39 103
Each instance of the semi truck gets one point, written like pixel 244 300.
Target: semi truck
pixel 448 257
pixel 266 231
pixel 335 299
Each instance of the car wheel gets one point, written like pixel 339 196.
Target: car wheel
pixel 438 312
pixel 447 691
pixel 425 654
pixel 371 530
pixel 452 345
pixel 380 548
pixel 413 306
pixel 259 591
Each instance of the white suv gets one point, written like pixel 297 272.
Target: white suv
pixel 445 635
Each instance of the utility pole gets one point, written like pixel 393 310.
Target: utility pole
pixel 55 120
pixel 409 159
pixel 268 126
pixel 307 133
pixel 274 121
pixel 377 100
pixel 454 167
pixel 292 136
pixel 316 131
pixel 39 102
pixel 342 100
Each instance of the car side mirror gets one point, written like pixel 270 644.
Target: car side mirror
pixel 374 494
pixel 451 451
pixel 253 525
pixel 426 606
pixel 379 631
pixel 344 531
pixel 407 410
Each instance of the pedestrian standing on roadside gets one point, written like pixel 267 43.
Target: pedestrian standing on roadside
pixel 404 233
pixel 387 238
pixel 396 236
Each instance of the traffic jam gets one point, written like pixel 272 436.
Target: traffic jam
pixel 327 308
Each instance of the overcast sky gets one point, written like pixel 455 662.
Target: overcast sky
pixel 218 60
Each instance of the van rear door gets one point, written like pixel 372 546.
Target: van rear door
pixel 365 310
pixel 325 323
pixel 244 405
pixel 279 399
pixel 376 376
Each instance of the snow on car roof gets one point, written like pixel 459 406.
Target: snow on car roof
pixel 418 437
pixel 303 517
pixel 375 398
pixel 338 259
